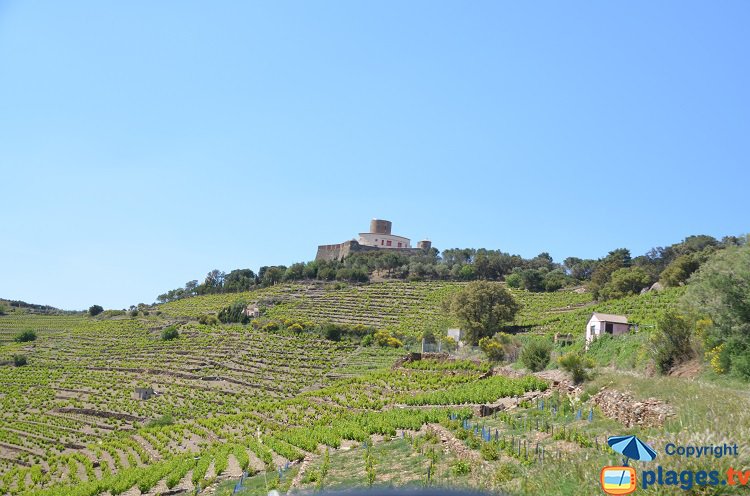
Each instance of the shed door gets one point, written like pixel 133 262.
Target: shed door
pixel 609 327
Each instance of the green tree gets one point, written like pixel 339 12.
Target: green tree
pixel 624 282
pixel 19 360
pixel 239 280
pixel 95 310
pixel 679 271
pixel 536 354
pixel 482 307
pixel 616 259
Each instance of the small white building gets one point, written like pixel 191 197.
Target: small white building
pixel 456 334
pixel 605 323
pixel 251 311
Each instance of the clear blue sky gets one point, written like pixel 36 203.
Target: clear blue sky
pixel 145 143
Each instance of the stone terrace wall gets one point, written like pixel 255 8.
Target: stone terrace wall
pixel 623 408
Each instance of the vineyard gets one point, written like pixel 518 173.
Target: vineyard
pixel 225 400
pixel 229 401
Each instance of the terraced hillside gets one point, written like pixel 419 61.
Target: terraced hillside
pixel 407 307
pixel 412 307
pixel 70 419
pixel 230 399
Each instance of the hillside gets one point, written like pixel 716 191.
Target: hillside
pixel 412 307
pixel 71 425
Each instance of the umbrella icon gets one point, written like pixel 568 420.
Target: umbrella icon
pixel 632 447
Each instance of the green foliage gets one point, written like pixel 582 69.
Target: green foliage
pixel 536 353
pixel 3 309
pixel 577 365
pixel 162 421
pixel 482 391
pixel 332 332
pixel 460 467
pixel 95 310
pixel 207 319
pixel 616 259
pixel 489 451
pixel 19 360
pixel 25 336
pixel 514 280
pixel 492 348
pixel 271 326
pixel 505 472
pixel 170 333
pixel 384 338
pixel 500 347
pixel 234 313
pixel 625 282
pixel 671 343
pixel 720 290
pixel 679 271
pixel 482 307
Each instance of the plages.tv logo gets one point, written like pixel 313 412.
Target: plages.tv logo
pixel 622 479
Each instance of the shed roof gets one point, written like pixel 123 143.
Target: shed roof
pixel 608 317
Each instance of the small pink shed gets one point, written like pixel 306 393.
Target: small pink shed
pixel 604 323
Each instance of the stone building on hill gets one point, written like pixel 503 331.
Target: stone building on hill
pixel 379 237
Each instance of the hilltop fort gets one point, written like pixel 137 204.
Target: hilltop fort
pixel 378 238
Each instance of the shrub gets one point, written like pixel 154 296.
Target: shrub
pixel 332 332
pixel 460 467
pixel 492 348
pixel 489 451
pixel 162 421
pixel 95 310
pixel 367 340
pixel 296 327
pixel 25 336
pixel 536 354
pixel 19 360
pixel 506 472
pixel 209 320
pixel 134 313
pixel 671 344
pixel 577 366
pixel 170 333
pixel 384 338
pixel 514 280
pixel 271 327
pixel 3 309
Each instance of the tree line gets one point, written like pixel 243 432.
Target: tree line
pixel 615 275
